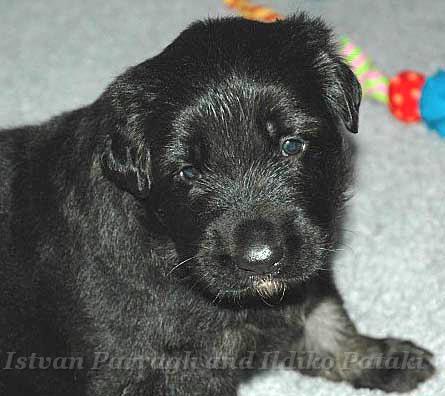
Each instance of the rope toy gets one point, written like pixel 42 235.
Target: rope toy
pixel 410 96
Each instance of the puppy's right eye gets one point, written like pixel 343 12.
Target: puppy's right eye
pixel 292 146
pixel 189 174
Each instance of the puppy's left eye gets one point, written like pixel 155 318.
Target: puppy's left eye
pixel 292 146
pixel 189 174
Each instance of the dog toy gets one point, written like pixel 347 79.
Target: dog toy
pixel 374 83
pixel 410 96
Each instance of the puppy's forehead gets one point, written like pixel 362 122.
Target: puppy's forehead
pixel 228 118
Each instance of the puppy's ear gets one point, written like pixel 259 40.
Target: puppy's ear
pixel 344 95
pixel 340 89
pixel 125 158
pixel 128 166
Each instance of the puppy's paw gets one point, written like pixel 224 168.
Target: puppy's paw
pixel 400 367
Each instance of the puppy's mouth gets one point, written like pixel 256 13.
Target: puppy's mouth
pixel 269 287
pixel 274 271
pixel 266 285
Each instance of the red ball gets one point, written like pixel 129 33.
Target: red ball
pixel 405 91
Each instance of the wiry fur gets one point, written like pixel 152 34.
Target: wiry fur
pixel 103 248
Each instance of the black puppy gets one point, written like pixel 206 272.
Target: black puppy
pixel 189 214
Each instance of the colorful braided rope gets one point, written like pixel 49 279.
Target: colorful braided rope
pixel 374 83
pixel 254 12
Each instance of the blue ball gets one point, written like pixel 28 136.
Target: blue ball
pixel 432 102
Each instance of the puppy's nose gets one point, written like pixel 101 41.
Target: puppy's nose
pixel 260 258
pixel 258 247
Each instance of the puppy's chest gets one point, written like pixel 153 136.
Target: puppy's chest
pixel 254 331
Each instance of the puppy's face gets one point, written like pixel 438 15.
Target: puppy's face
pixel 248 164
pixel 250 187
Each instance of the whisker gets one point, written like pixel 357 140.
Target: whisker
pixel 331 250
pixel 181 263
pixel 264 301
pixel 284 286
pixel 216 298
pixel 353 232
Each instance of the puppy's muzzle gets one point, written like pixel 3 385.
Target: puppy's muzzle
pixel 258 248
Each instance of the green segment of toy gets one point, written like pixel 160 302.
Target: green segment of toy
pixel 374 83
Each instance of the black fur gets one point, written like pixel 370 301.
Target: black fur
pixel 107 248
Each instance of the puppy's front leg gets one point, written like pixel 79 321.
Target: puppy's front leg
pixel 392 365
